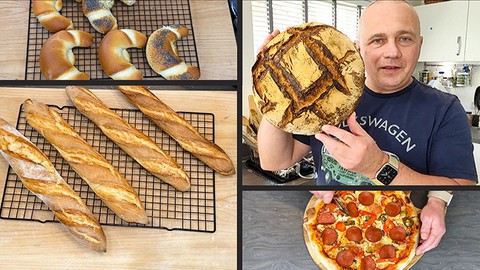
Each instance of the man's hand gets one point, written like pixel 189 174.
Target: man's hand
pixel 433 225
pixel 267 39
pixel 356 151
pixel 326 196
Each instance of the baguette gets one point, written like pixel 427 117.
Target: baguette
pixel 106 181
pixel 179 129
pixel 136 144
pixel 39 176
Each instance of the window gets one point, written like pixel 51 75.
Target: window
pixel 279 14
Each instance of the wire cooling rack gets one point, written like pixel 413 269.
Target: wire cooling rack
pixel 145 16
pixel 168 208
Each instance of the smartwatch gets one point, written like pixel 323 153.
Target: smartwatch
pixel 442 195
pixel 388 171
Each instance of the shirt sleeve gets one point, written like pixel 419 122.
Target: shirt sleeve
pixel 451 154
pixel 302 138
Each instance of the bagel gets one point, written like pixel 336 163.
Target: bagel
pixel 48 15
pixel 162 54
pixel 99 15
pixel 57 59
pixel 114 57
pixel 306 77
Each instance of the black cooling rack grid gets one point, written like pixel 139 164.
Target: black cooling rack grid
pixel 145 16
pixel 168 208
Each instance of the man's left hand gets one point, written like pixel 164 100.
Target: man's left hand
pixel 433 225
pixel 355 150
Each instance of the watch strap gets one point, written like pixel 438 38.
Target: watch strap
pixel 442 195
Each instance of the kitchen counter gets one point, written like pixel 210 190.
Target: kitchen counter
pixel 273 236
pixel 213 28
pixel 475 134
pixel 35 245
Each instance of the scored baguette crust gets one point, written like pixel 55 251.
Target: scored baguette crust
pixel 162 54
pixel 48 14
pixel 135 143
pixel 179 129
pixel 306 77
pixel 56 56
pixel 39 176
pixel 104 179
pixel 114 57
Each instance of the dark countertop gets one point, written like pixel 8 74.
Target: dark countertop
pixel 273 237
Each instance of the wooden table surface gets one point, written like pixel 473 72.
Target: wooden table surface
pixel 214 37
pixel 35 245
pixel 273 234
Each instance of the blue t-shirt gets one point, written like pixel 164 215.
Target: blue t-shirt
pixel 426 128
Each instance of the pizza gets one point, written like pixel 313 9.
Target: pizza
pixel 381 231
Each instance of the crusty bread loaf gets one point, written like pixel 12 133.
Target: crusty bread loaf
pixel 105 180
pixel 179 129
pixel 99 15
pixel 114 57
pixel 308 76
pixel 39 176
pixel 57 59
pixel 48 14
pixel 162 54
pixel 136 144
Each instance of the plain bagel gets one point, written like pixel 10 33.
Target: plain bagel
pixel 48 14
pixel 162 54
pixel 56 56
pixel 114 57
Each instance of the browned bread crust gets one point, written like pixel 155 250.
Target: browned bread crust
pixel 308 76
pixel 99 15
pixel 136 144
pixel 48 14
pixel 113 55
pixel 56 56
pixel 179 128
pixel 105 180
pixel 39 176
pixel 162 54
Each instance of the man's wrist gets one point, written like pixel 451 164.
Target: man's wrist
pixel 379 164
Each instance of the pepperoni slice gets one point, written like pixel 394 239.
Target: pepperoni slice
pixel 397 233
pixel 329 236
pixel 345 258
pixel 354 234
pixel 393 209
pixel 373 234
pixel 366 198
pixel 368 263
pixel 387 251
pixel 325 218
pixel 352 209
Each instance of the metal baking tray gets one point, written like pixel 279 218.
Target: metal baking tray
pixel 168 208
pixel 145 16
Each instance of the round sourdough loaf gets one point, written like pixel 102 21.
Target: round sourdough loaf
pixel 308 76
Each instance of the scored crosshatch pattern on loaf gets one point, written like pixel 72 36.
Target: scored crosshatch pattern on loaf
pixel 167 208
pixel 145 16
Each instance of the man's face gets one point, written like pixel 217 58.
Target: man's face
pixel 390 44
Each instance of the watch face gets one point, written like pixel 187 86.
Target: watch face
pixel 387 174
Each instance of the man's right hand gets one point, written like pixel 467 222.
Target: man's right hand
pixel 326 196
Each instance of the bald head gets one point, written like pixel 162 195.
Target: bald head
pixel 380 11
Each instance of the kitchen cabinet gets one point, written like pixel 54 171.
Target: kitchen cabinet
pixel 450 31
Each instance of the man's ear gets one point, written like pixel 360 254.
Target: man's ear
pixel 357 45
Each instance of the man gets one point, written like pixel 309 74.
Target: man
pixel 398 120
